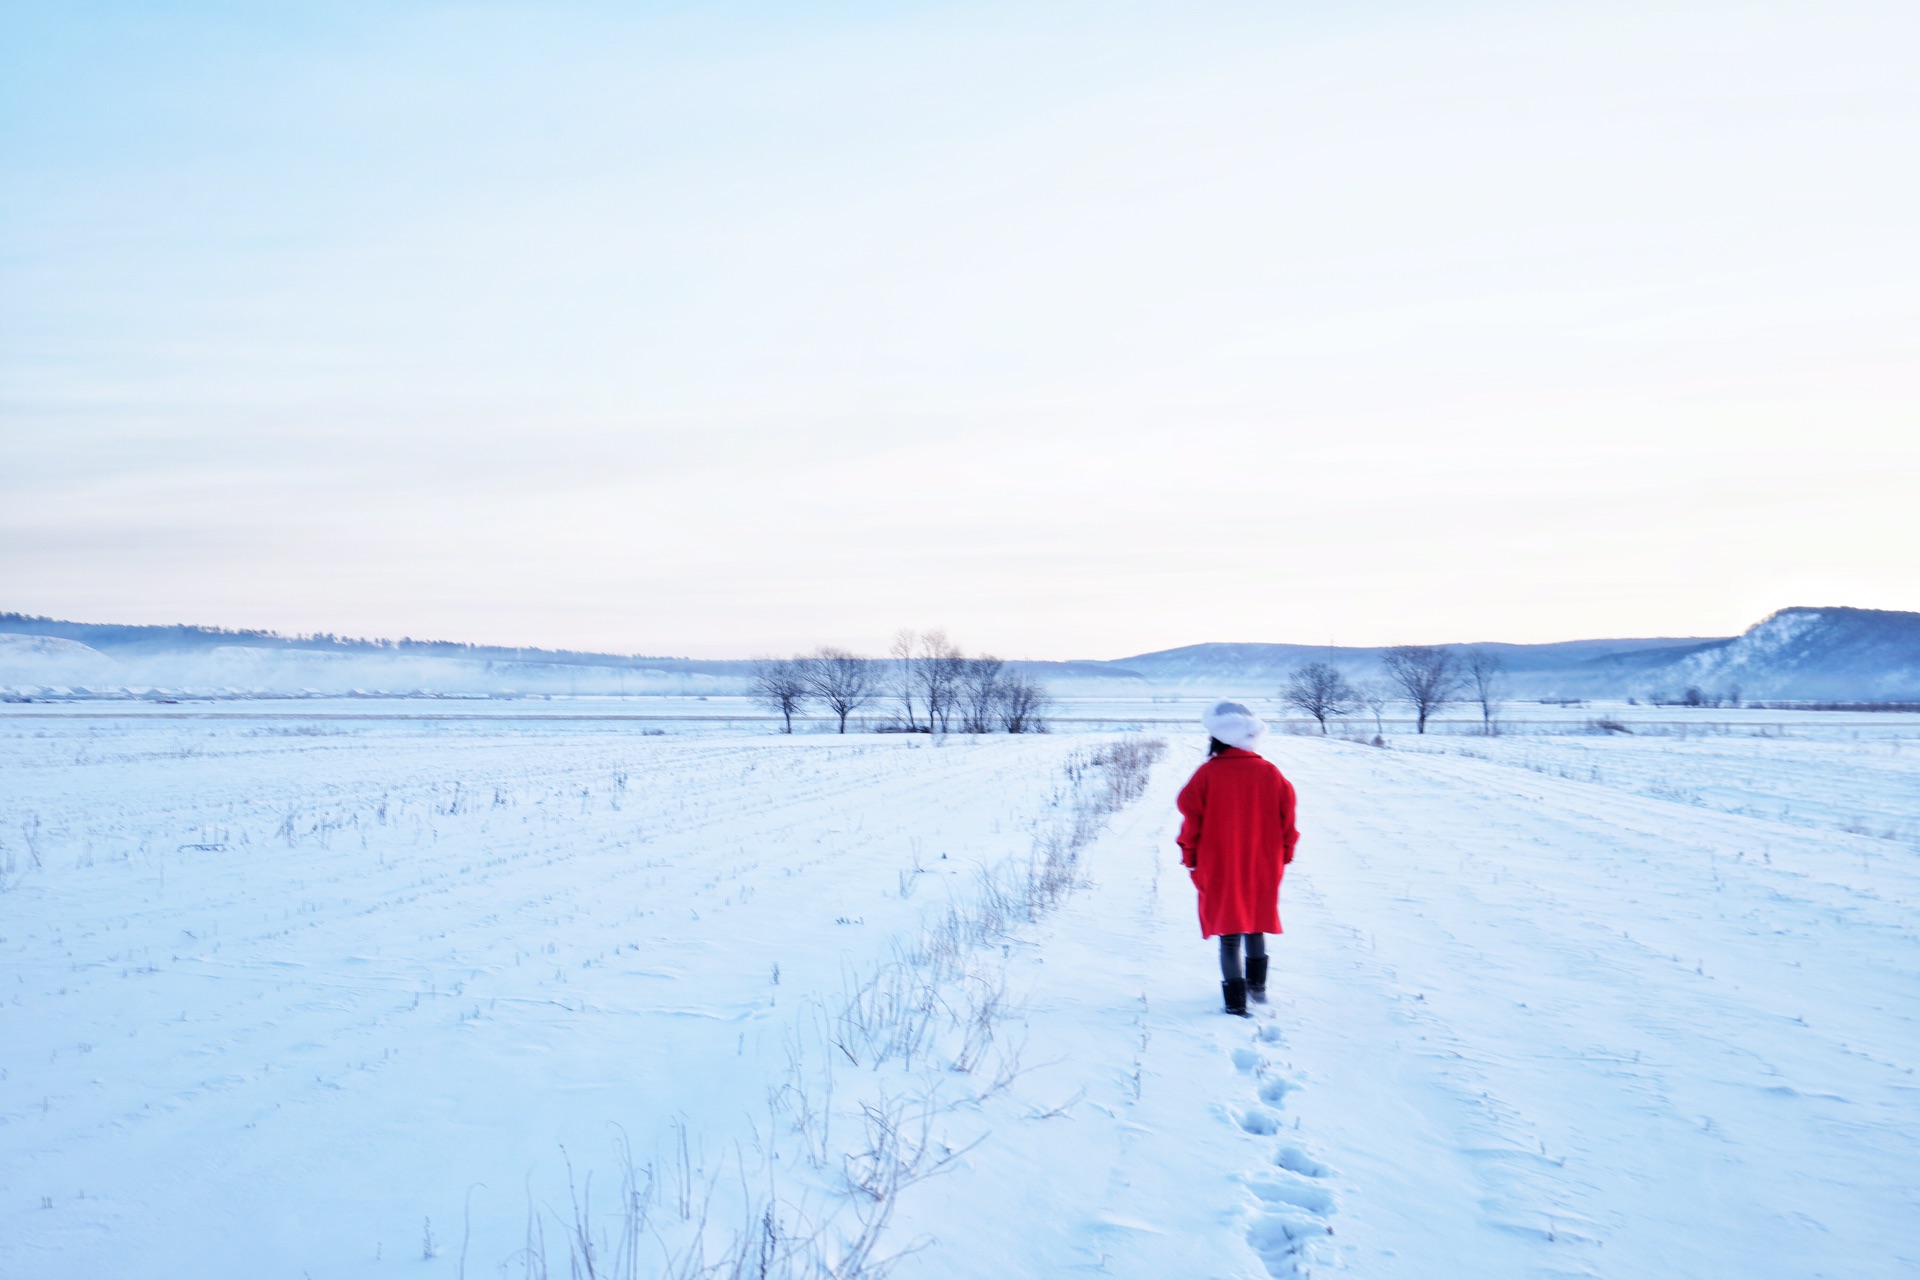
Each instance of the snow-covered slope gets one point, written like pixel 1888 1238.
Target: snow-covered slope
pixel 203 659
pixel 248 667
pixel 1574 668
pixel 1798 653
pixel 197 659
pixel 1809 653
pixel 49 661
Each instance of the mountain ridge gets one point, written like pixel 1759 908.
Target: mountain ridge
pixel 1800 652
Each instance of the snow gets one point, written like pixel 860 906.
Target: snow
pixel 1863 785
pixel 1619 1035
pixel 254 669
pixel 1796 653
pixel 286 988
pixel 1813 653
pixel 50 660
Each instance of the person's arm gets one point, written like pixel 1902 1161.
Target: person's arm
pixel 1289 834
pixel 1193 807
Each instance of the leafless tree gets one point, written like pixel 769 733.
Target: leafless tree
pixel 905 644
pixel 1486 678
pixel 1319 690
pixel 1427 676
pixel 979 689
pixel 844 681
pixel 1375 696
pixel 1019 702
pixel 780 685
pixel 937 675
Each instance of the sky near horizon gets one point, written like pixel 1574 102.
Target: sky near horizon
pixel 1080 330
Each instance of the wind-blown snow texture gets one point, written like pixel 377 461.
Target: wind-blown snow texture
pixel 283 991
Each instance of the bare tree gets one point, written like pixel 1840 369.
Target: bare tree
pixel 780 685
pixel 1375 696
pixel 844 681
pixel 905 643
pixel 1427 676
pixel 1019 701
pixel 1486 678
pixel 979 689
pixel 1319 690
pixel 937 674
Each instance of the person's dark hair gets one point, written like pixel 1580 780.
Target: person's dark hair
pixel 1215 747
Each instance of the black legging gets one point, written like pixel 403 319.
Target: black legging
pixel 1230 953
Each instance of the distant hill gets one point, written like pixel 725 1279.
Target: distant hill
pixel 54 660
pixel 1798 653
pixel 48 653
pixel 212 659
pixel 132 641
pixel 1551 669
pixel 1833 652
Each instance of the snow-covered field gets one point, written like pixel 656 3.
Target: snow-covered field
pixel 1868 786
pixel 289 995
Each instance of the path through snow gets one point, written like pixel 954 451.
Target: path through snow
pixel 1521 1026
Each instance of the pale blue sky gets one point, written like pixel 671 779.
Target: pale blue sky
pixel 1077 329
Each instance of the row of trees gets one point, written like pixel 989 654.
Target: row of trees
pixel 936 687
pixel 1426 677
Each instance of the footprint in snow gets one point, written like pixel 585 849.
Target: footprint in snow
pixel 1258 1120
pixel 1287 1225
pixel 1273 1089
pixel 1294 1160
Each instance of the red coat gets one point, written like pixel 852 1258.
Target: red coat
pixel 1237 839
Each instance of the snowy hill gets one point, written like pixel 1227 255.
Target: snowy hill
pixel 1797 653
pixel 53 661
pixel 1810 653
pixel 1573 668
pixel 47 653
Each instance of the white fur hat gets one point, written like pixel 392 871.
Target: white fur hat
pixel 1233 724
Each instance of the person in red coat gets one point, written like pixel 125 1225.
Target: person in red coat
pixel 1236 839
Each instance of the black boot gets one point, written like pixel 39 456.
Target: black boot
pixel 1257 979
pixel 1235 992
